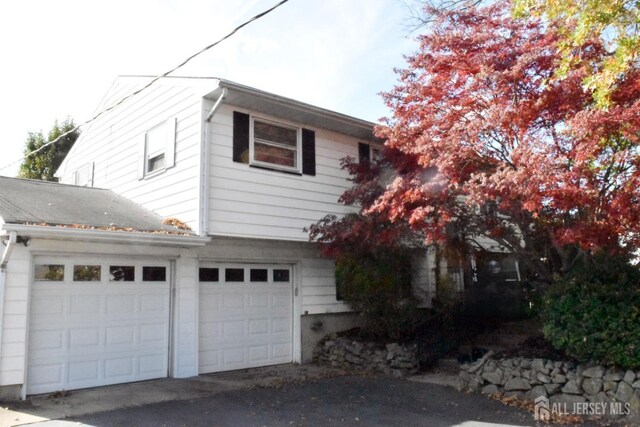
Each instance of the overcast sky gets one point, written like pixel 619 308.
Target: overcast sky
pixel 60 57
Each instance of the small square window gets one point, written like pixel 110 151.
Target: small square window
pixel 275 145
pixel 122 273
pixel 280 275
pixel 259 275
pixel 234 274
pixel 86 273
pixel 209 274
pixel 49 272
pixel 154 274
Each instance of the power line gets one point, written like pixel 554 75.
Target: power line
pixel 155 79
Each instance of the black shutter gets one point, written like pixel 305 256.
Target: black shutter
pixel 240 137
pixel 308 152
pixel 363 152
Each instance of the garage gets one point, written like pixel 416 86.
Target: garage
pixel 246 316
pixel 96 321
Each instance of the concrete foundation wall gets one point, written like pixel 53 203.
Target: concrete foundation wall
pixel 9 393
pixel 317 326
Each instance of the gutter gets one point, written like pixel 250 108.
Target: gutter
pixel 206 166
pixel 106 236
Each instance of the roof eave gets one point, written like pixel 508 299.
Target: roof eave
pixel 264 102
pixel 106 236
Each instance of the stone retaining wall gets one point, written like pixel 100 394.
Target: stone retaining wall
pixel 392 359
pixel 561 382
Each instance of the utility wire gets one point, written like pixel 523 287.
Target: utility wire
pixel 151 82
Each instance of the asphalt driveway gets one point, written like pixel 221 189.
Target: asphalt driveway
pixel 322 402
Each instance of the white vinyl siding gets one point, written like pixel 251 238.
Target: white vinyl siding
pixel 113 143
pixel 316 285
pixel 252 202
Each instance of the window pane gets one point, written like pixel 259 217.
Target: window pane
pixel 234 274
pixel 86 273
pixel 273 133
pixel 272 154
pixel 49 272
pixel 154 274
pixel 209 275
pixel 156 163
pixel 156 140
pixel 280 275
pixel 259 275
pixel 122 273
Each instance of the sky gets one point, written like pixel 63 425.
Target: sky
pixel 60 57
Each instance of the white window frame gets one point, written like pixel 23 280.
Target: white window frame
pixel 168 149
pixel 87 171
pixel 252 161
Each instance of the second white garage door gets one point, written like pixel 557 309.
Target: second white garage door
pixel 246 316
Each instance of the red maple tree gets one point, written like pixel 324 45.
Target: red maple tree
pixel 483 140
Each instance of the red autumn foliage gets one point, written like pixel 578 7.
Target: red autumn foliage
pixel 478 121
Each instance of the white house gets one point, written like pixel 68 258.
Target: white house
pixel 98 291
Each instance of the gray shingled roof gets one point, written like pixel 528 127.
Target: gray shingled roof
pixel 25 201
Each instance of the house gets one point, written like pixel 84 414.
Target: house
pixel 98 291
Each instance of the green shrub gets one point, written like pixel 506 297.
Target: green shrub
pixel 594 314
pixel 378 286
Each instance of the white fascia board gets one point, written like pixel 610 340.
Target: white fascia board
pixel 105 236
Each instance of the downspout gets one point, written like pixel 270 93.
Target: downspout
pixel 6 254
pixel 206 169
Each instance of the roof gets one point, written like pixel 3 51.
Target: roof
pixel 31 202
pixel 270 103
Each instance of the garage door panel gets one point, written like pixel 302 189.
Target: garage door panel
pixel 259 300
pixel 48 340
pixel 258 326
pixel 53 305
pixel 245 324
pixel 97 333
pixel 84 304
pixel 258 353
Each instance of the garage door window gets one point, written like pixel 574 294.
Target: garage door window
pixel 49 272
pixel 234 274
pixel 122 273
pixel 259 275
pixel 86 273
pixel 209 274
pixel 280 275
pixel 154 274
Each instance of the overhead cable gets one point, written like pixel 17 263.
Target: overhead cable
pixel 151 82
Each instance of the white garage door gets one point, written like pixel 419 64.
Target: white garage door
pixel 246 316
pixel 96 321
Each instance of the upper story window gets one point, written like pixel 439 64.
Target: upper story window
pixel 157 149
pixel 275 145
pixel 368 152
pixel 272 145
